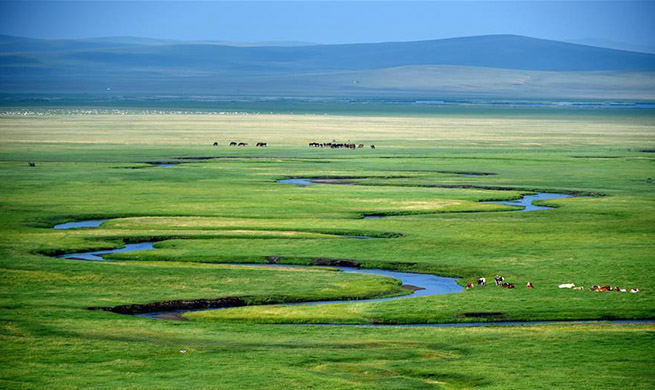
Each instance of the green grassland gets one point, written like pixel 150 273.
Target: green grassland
pixel 230 209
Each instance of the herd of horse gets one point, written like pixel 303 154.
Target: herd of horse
pixel 331 145
pixel 234 143
pixel 337 145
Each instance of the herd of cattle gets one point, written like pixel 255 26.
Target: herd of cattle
pixel 599 288
pixel 500 281
pixel 336 145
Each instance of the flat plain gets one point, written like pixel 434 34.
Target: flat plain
pixel 221 205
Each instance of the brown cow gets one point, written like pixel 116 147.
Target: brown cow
pixel 508 285
pixel 470 285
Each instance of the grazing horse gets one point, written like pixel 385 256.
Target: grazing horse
pixel 233 143
pixel 499 279
pixel 482 282
pixel 215 144
pixel 372 146
pixel 529 285
pixel 32 164
pixel 470 285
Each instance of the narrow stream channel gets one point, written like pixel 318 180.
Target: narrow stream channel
pixel 525 201
pixel 423 284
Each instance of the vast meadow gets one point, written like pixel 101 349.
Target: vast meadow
pixel 219 207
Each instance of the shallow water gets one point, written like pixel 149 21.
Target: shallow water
pixel 429 284
pixel 98 255
pixel 526 201
pixel 300 182
pixel 80 224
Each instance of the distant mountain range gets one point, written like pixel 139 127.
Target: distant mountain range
pixel 493 65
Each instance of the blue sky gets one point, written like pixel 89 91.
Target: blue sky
pixel 623 24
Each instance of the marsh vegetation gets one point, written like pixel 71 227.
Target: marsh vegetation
pixel 224 206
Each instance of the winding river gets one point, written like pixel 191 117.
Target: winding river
pixel 421 284
pixel 526 201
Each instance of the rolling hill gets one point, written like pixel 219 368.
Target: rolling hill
pixel 495 65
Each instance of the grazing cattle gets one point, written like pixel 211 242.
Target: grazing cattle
pixel 242 144
pixel 508 285
pixel 233 143
pixel 261 144
pixel 470 285
pixel 372 146
pixel 600 288
pixel 579 288
pixel 623 290
pixel 529 285
pixel 215 144
pixel 567 285
pixel 634 290
pixel 360 146
pixel 32 164
pixel 482 282
pixel 499 279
